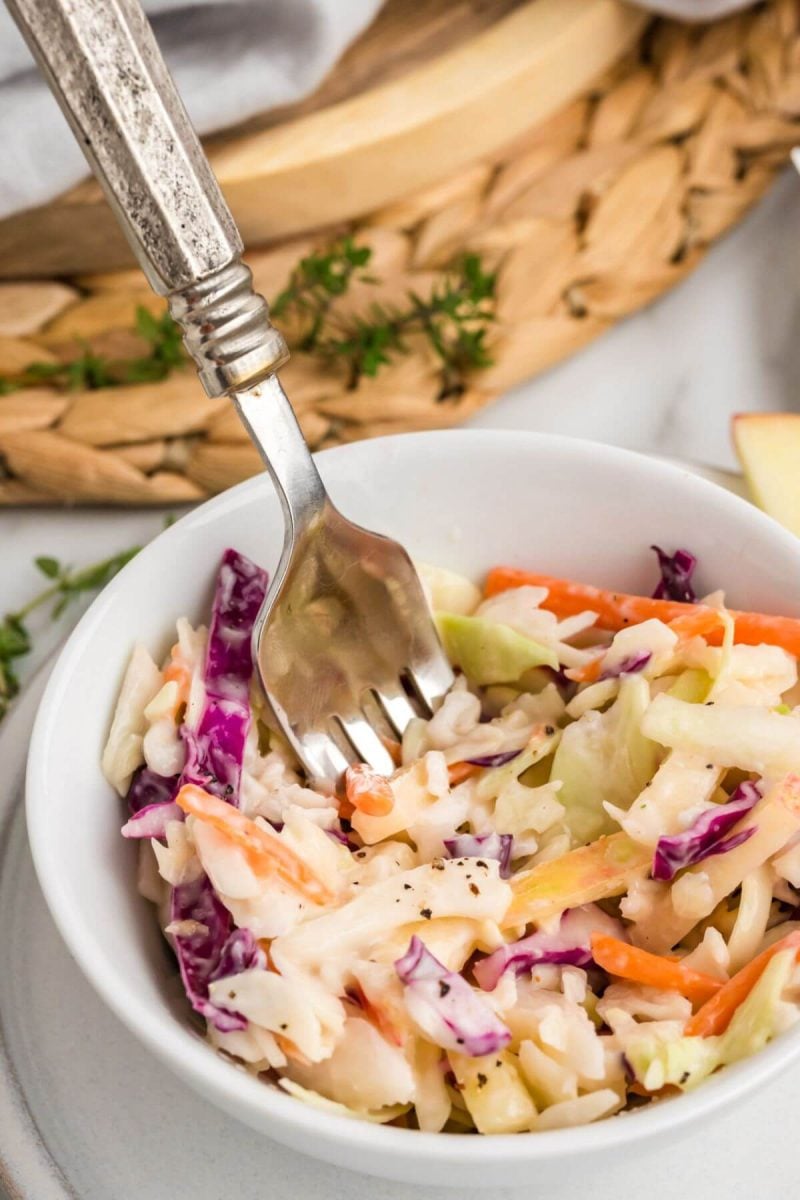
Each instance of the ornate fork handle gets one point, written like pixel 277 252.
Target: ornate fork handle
pixel 104 66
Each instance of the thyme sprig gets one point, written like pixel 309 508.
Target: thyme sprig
pixel 65 584
pixel 454 320
pixel 89 370
pixel 318 280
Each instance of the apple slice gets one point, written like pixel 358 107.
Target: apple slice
pixel 768 446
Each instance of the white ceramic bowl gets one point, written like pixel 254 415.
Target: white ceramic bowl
pixel 465 500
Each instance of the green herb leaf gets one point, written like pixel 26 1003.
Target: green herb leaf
pixel 65 585
pixel 454 320
pixel 48 566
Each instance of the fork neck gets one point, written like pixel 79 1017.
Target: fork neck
pixel 270 420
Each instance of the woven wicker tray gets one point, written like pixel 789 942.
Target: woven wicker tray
pixel 586 217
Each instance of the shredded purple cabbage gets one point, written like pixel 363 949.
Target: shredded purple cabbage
pixel 214 755
pixel 483 845
pixel 570 944
pixel 239 594
pixel 151 822
pixel 241 952
pixel 705 836
pixel 676 576
pixel 339 835
pixel 148 789
pixel 446 1008
pixel 629 666
pixel 495 760
pixel 214 952
pixel 215 749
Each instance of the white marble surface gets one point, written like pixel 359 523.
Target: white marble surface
pixel 666 381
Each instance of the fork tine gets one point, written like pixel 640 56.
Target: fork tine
pixel 323 760
pixel 397 708
pixel 430 679
pixel 367 744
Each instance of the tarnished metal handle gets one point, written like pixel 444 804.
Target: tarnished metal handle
pixel 104 66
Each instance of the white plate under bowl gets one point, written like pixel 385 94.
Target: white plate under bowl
pixel 85 1111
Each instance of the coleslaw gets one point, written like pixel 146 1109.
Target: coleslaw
pixel 577 894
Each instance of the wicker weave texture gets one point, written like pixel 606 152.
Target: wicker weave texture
pixel 588 218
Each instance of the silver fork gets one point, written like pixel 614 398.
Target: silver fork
pixel 346 648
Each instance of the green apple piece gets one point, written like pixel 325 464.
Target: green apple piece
pixel 488 652
pixel 692 686
pixel 768 446
pixel 449 591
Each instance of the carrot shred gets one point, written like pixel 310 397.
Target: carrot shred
pixel 367 791
pixel 616 610
pixel 716 1014
pixel 378 1017
pixel 395 749
pixel 290 1050
pixel 700 622
pixel 640 966
pixel 265 854
pixel 457 772
pixel 590 672
pixel 178 672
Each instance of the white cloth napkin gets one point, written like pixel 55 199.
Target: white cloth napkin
pixel 230 59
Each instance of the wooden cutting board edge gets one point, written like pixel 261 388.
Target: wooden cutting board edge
pixel 367 151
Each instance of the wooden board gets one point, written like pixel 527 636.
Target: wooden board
pixel 429 88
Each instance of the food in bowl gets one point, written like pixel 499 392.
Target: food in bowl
pixel 576 894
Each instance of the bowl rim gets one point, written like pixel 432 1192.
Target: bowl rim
pixel 189 1056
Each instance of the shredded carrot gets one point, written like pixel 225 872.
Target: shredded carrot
pixel 265 854
pixel 345 809
pixel 640 966
pixel 290 1050
pixel 368 791
pixel 378 1017
pixel 700 622
pixel 716 1014
pixel 395 749
pixel 616 610
pixel 178 672
pixel 459 771
pixel 590 672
